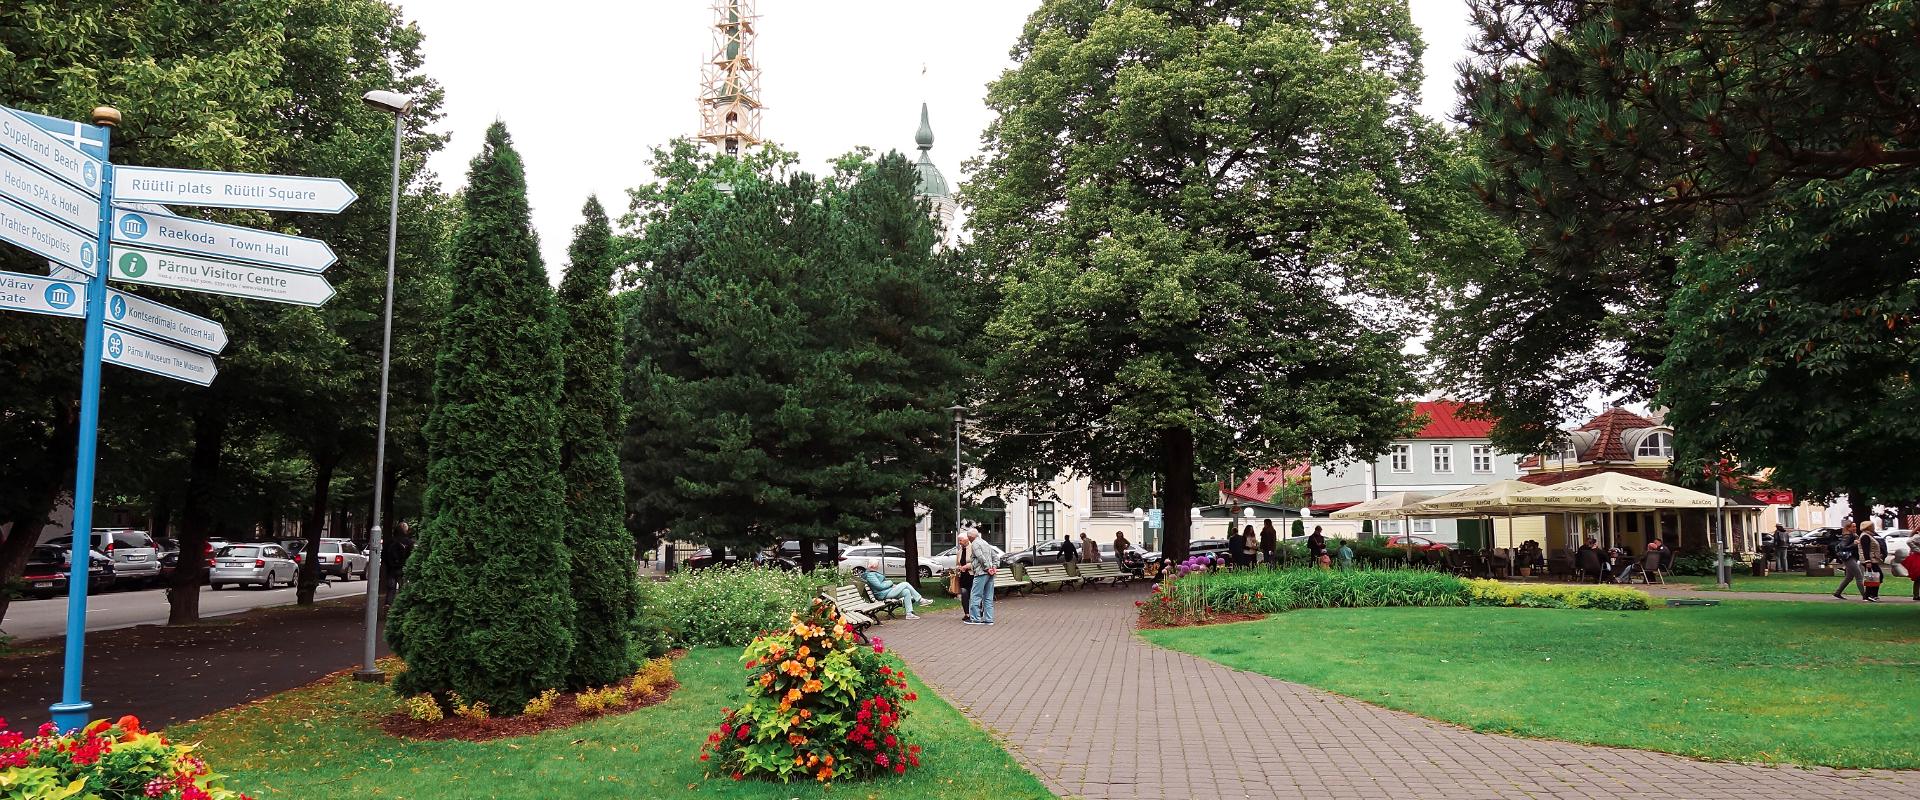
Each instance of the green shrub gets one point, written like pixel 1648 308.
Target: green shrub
pixel 1483 592
pixel 1692 564
pixel 649 637
pixel 728 606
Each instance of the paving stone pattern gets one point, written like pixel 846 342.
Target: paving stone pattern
pixel 1087 705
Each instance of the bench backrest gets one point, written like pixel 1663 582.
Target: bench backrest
pixel 1051 572
pixel 850 595
pixel 1103 569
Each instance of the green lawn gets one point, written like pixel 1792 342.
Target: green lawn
pixel 1801 683
pixel 1894 590
pixel 320 742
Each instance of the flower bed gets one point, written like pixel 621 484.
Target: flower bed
pixel 823 707
pixel 424 717
pixel 1197 595
pixel 104 760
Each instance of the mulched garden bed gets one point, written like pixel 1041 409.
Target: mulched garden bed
pixel 1213 618
pixel 564 714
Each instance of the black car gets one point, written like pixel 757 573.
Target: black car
pixel 49 565
pixel 706 557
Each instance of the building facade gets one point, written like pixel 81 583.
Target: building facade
pixel 1448 453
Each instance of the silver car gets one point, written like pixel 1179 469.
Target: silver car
pixel 135 556
pixel 264 565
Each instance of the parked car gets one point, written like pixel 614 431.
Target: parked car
pixel 135 556
pixel 893 560
pixel 945 560
pixel 263 565
pixel 1421 543
pixel 339 558
pixel 169 556
pixel 1207 547
pixel 49 565
pixel 1042 553
pixel 705 557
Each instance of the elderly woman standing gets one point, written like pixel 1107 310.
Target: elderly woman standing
pixel 962 566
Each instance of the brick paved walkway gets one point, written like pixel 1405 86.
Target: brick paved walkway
pixel 1062 680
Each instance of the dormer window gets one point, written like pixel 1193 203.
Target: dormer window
pixel 1655 445
pixel 1570 455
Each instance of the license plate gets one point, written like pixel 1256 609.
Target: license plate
pixel 43 585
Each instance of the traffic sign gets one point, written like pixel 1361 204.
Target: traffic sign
pixel 229 242
pixel 164 322
pixel 195 187
pixel 43 193
pixel 129 349
pixel 38 295
pixel 55 242
pixel 46 151
pixel 192 273
pixel 89 139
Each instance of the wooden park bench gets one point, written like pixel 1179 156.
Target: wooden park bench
pixel 850 598
pixel 887 604
pixel 1055 575
pixel 859 621
pixel 1106 572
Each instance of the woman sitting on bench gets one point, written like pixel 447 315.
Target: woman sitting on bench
pixel 883 590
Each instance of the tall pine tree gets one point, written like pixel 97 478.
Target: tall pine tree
pixel 592 416
pixel 486 608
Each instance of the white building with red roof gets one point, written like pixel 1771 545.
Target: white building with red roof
pixel 1450 451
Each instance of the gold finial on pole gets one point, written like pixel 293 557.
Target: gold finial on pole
pixel 106 116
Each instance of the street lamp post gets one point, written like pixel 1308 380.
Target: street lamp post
pixel 958 412
pixel 398 105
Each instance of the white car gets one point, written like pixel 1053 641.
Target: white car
pixel 263 564
pixel 893 560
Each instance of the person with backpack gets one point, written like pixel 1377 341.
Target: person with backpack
pixel 1847 552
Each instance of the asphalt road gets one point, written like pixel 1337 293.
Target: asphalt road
pixel 39 619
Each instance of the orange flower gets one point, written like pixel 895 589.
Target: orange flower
pixel 825 773
pixel 796 739
pixel 804 650
pixel 805 713
pixel 829 759
pixel 794 695
pixel 814 685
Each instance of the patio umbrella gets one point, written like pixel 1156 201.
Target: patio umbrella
pixel 1487 500
pixel 1394 505
pixel 1611 492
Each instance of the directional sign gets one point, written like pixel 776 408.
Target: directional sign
pixel 55 242
pixel 89 139
pixel 229 242
pixel 129 349
pixel 161 268
pixel 231 189
pixel 164 322
pixel 39 295
pixel 60 273
pixel 46 151
pixel 41 192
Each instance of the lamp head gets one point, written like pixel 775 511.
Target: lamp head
pixel 390 102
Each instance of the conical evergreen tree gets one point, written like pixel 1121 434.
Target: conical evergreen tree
pixel 486 609
pixel 591 424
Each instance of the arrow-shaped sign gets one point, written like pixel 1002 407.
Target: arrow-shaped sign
pixel 229 242
pixel 44 150
pixel 129 349
pixel 164 322
pixel 43 193
pixel 195 274
pixel 194 187
pixel 89 139
pixel 34 294
pixel 55 242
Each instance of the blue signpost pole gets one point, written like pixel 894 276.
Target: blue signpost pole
pixel 72 711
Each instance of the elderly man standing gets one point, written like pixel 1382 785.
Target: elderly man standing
pixel 883 590
pixel 984 560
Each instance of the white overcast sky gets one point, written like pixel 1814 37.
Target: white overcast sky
pixel 586 87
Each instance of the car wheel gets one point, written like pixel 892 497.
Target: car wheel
pixel 270 581
pixel 216 586
pixel 926 572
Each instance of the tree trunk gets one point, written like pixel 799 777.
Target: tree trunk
pixel 833 552
pixel 323 466
pixel 18 545
pixel 806 554
pixel 196 517
pixel 388 491
pixel 912 543
pixel 162 516
pixel 1176 462
pixel 1861 506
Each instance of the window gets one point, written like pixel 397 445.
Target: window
pixel 1423 526
pixel 1482 458
pixel 1400 454
pixel 1570 455
pixel 1656 445
pixel 1786 517
pixel 1389 527
pixel 1113 489
pixel 1443 458
pixel 993 521
pixel 1043 521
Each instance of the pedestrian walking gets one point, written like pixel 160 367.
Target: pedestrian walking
pixel 1782 542
pixel 963 565
pixel 394 551
pixel 1236 547
pixel 1346 555
pixel 981 555
pixel 1067 550
pixel 1120 545
pixel 1872 551
pixel 1269 542
pixel 1847 552
pixel 1910 559
pixel 1316 545
pixel 1089 552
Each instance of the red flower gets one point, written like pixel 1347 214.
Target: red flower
pixel 738 776
pixel 703 756
pixel 899 769
pixel 880 759
pixel 741 733
pixel 913 695
pixel 914 749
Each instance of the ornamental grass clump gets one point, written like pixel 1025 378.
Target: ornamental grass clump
pixel 824 707
pixel 104 760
